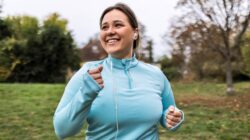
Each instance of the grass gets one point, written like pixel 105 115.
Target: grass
pixel 26 112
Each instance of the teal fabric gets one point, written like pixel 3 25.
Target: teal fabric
pixel 135 98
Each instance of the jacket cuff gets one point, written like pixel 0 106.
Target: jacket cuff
pixel 91 83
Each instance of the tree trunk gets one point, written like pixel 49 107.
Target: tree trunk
pixel 229 77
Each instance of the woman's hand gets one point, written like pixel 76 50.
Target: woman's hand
pixel 96 75
pixel 173 117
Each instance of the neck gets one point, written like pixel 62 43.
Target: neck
pixel 122 63
pixel 122 57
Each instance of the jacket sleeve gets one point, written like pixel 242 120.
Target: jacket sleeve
pixel 167 100
pixel 75 104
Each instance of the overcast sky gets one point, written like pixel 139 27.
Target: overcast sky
pixel 83 15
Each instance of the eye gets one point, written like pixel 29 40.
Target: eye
pixel 118 25
pixel 104 27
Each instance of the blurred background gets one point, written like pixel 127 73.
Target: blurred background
pixel 203 47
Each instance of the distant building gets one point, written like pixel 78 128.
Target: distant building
pixel 92 51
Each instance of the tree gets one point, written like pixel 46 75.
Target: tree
pixel 57 51
pixel 149 48
pixel 39 53
pixel 169 67
pixel 230 18
pixel 4 28
pixel 245 50
pixel 4 60
pixel 4 33
pixel 13 48
pixel 192 46
pixel 145 51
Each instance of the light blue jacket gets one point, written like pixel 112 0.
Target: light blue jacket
pixel 135 98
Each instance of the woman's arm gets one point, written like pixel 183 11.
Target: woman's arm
pixel 168 101
pixel 75 103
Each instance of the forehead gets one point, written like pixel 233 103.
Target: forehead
pixel 114 15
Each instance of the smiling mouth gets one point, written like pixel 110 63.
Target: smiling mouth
pixel 112 41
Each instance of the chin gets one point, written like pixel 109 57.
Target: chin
pixel 111 50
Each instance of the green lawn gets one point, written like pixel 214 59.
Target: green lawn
pixel 26 112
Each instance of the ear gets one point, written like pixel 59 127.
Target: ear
pixel 136 34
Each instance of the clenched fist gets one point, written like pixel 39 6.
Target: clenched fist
pixel 96 75
pixel 173 117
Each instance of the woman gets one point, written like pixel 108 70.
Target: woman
pixel 120 97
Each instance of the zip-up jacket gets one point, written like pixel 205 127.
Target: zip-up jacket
pixel 134 99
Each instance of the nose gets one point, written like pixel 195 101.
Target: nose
pixel 111 31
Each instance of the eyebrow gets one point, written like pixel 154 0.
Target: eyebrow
pixel 115 21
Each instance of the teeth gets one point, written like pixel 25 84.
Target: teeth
pixel 112 40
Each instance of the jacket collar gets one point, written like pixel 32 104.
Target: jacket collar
pixel 125 63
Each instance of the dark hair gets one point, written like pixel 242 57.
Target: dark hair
pixel 129 13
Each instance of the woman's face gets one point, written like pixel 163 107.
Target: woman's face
pixel 117 34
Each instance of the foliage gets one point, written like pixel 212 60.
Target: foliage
pixel 149 49
pixel 4 60
pixel 37 53
pixel 27 112
pixel 245 50
pixel 4 30
pixel 145 50
pixel 169 68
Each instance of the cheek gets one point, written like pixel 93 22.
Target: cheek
pixel 102 38
pixel 129 39
pixel 129 36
